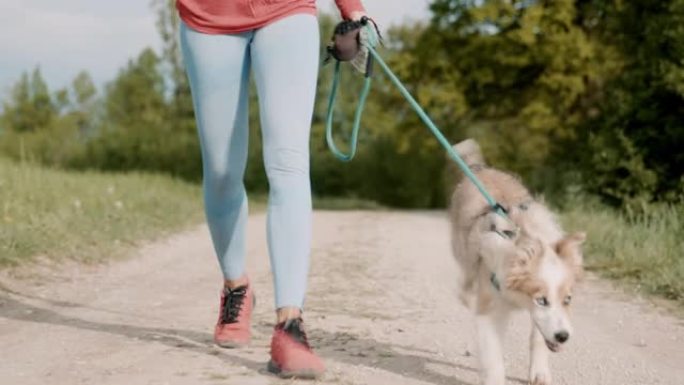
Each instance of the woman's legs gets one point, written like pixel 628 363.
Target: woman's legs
pixel 285 57
pixel 218 70
pixel 285 62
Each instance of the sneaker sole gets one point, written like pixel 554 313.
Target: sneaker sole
pixel 304 374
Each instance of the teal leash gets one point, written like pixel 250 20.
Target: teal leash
pixel 419 110
pixel 357 116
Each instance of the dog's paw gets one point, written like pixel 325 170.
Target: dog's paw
pixel 540 377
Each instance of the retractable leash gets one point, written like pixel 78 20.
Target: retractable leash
pixel 355 41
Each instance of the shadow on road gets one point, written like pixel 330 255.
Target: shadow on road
pixel 344 347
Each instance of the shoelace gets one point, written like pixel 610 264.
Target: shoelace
pixel 295 328
pixel 232 305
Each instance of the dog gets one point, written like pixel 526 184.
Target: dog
pixel 518 261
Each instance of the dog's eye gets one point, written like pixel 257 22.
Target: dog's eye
pixel 542 301
pixel 567 300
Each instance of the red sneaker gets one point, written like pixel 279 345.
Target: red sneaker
pixel 291 355
pixel 235 314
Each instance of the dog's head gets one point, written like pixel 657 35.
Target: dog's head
pixel 541 276
pixel 544 276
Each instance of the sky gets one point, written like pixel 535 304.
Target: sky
pixel 66 36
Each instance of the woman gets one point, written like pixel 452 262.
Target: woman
pixel 222 41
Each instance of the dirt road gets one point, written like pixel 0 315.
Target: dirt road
pixel 381 310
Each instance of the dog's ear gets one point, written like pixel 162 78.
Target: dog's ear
pixel 470 152
pixel 522 265
pixel 570 250
pixel 530 250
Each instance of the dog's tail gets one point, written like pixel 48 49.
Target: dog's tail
pixel 471 153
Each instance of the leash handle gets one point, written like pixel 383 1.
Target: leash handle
pixel 357 116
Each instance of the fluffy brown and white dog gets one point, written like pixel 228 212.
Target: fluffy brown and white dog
pixel 520 262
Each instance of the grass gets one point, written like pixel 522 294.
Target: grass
pixel 86 216
pixel 645 251
pixel 92 216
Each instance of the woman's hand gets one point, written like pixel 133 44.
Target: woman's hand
pixel 357 15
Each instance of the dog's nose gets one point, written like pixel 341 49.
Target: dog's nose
pixel 562 336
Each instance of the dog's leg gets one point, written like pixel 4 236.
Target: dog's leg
pixel 490 330
pixel 540 374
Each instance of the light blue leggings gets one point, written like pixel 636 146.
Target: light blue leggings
pixel 284 57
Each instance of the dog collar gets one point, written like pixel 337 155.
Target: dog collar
pixel 495 282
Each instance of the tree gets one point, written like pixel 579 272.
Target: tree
pixel 134 115
pixel 529 70
pixel 30 107
pixel 136 97
pixel 47 128
pixel 84 108
pixel 180 116
pixel 637 139
pixel 84 89
pixel 168 26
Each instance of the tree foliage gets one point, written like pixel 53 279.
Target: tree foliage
pixel 638 137
pixel 31 107
pixel 573 95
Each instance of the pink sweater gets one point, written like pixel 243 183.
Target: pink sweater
pixel 232 16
